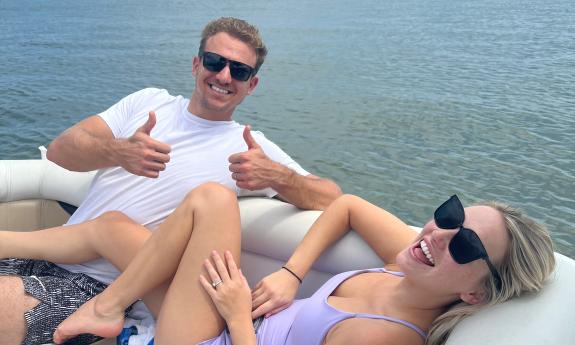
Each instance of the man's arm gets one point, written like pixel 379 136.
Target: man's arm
pixel 254 170
pixel 85 146
pixel 306 192
pixel 91 145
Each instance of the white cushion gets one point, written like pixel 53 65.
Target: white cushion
pixel 543 318
pixel 272 229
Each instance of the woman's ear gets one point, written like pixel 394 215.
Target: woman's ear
pixel 474 297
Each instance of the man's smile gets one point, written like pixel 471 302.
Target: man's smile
pixel 219 89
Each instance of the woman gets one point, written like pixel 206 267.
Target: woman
pixel 461 261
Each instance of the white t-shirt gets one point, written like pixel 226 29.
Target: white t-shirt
pixel 200 152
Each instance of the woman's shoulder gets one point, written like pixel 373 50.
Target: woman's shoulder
pixel 392 267
pixel 372 331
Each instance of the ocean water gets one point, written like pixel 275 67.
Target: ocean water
pixel 402 102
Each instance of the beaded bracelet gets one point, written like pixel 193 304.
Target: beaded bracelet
pixel 295 275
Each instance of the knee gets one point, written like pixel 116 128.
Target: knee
pixel 107 223
pixel 347 199
pixel 14 302
pixel 12 290
pixel 212 194
pixel 113 217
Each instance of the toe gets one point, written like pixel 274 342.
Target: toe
pixel 58 336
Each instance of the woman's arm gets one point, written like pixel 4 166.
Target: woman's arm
pixel 231 297
pixel 386 234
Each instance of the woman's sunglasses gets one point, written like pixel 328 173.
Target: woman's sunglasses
pixel 465 246
pixel 214 63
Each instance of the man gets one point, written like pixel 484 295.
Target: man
pixel 152 148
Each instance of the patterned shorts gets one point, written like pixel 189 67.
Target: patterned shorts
pixel 60 293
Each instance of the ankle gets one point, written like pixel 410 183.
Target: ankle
pixel 107 307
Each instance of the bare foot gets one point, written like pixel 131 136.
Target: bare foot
pixel 88 320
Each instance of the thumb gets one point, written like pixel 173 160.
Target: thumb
pixel 147 127
pixel 252 144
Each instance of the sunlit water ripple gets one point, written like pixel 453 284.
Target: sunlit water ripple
pixel 400 102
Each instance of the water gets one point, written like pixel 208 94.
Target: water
pixel 402 102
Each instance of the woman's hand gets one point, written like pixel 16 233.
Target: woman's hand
pixel 228 289
pixel 274 293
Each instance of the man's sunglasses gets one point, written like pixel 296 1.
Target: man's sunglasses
pixel 214 63
pixel 465 246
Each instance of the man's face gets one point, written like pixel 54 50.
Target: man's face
pixel 217 94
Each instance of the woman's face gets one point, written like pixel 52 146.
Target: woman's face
pixel 429 263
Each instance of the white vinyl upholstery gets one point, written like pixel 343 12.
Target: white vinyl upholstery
pixel 271 231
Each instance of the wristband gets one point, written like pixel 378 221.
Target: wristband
pixel 292 273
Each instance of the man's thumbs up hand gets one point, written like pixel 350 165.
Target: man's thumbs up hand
pixel 250 141
pixel 252 169
pixel 149 125
pixel 141 155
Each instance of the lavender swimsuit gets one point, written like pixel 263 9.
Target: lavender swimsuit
pixel 308 321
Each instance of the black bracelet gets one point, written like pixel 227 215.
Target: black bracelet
pixel 295 275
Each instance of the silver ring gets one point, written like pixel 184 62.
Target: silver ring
pixel 216 283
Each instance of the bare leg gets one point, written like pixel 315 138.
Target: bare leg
pixel 14 303
pixel 207 219
pixel 111 236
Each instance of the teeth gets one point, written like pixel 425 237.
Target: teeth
pixel 220 90
pixel 426 252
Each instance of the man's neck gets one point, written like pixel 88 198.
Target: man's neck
pixel 195 108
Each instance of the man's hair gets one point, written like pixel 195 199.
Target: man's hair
pixel 238 29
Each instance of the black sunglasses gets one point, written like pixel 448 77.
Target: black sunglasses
pixel 465 246
pixel 214 63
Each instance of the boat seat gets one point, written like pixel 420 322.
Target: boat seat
pixel 272 229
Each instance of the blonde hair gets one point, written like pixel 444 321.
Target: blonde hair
pixel 528 263
pixel 238 29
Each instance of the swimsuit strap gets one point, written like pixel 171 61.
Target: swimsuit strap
pixel 392 319
pixel 399 321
